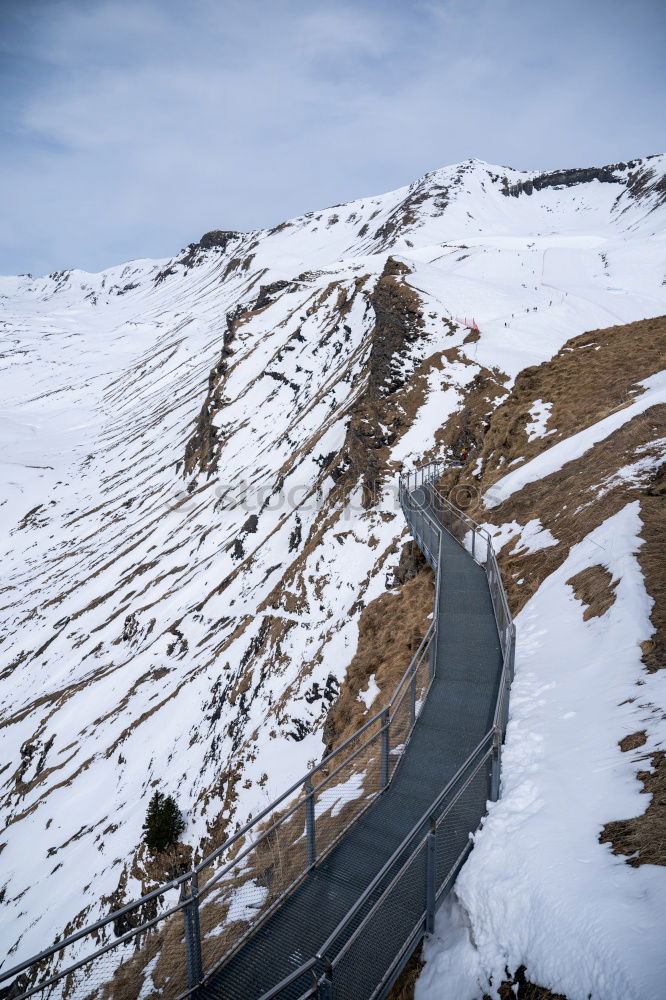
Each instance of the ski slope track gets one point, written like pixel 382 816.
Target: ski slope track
pixel 199 459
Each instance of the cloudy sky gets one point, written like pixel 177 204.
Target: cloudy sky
pixel 130 127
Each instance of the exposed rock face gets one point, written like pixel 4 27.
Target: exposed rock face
pixel 376 418
pixel 567 178
pixel 268 293
pixel 641 179
pixel 218 238
pixel 431 189
pixel 200 449
pixel 412 562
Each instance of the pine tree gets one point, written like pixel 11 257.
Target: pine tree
pixel 164 823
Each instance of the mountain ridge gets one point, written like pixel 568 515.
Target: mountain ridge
pixel 200 454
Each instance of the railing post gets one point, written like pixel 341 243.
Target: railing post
pixel 310 822
pixel 386 747
pixel 325 982
pixel 473 541
pixel 192 931
pixel 412 699
pixel 432 667
pixel 431 876
pixel 512 655
pixel 496 766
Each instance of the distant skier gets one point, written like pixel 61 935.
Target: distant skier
pixel 463 456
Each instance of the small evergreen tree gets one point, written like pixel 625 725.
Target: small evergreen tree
pixel 164 823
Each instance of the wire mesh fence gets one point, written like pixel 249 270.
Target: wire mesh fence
pixel 371 945
pixel 140 947
pixel 389 925
pixel 347 790
pixel 176 938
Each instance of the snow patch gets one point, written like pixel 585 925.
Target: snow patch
pixel 539 889
pixel 539 415
pixel 575 446
pixel 368 696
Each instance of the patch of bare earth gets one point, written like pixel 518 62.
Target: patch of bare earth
pixel 517 987
pixel 595 588
pixel 521 988
pixel 593 376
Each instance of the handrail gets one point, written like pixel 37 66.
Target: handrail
pixel 358 905
pixel 490 737
pixel 427 529
pixel 140 902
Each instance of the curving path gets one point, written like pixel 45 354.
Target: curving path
pixel 458 712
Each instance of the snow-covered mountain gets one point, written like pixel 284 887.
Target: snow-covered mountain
pixel 199 517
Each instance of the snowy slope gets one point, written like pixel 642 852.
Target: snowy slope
pixel 539 889
pixel 188 540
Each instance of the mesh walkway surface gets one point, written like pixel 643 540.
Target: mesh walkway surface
pixel 458 712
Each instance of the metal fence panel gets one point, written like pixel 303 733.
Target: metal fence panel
pixel 367 958
pixel 167 942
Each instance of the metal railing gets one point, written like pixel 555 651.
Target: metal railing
pixel 228 894
pixel 178 936
pixel 398 907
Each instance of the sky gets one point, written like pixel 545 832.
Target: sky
pixel 130 127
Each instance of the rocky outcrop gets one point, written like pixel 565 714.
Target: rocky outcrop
pixel 200 449
pixel 376 420
pixel 640 180
pixel 567 178
pixel 268 293
pixel 218 239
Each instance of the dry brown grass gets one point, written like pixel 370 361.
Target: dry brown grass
pixel 406 983
pixel 390 631
pixel 643 838
pixel 588 379
pixel 569 504
pixel 594 587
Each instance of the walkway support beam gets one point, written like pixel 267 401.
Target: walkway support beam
pixel 310 822
pixel 192 932
pixel 431 877
pixel 386 747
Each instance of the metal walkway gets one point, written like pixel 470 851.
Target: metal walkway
pixel 459 711
pixel 326 892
